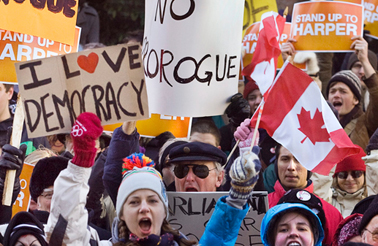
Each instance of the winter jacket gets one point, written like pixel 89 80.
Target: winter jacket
pixel 363 125
pixel 224 224
pixel 121 146
pixel 326 187
pixel 332 215
pixel 68 205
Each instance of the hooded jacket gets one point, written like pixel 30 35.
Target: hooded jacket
pixel 266 228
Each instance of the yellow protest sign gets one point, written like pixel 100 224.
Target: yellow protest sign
pixel 16 47
pixel 371 17
pixel 326 26
pixel 157 124
pixel 253 9
pixel 23 198
pixel 53 20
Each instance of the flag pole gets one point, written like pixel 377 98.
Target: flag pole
pixel 257 126
pixel 15 141
pixel 259 115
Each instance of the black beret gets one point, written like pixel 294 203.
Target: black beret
pixel 369 214
pixel 24 223
pixel 44 174
pixel 306 198
pixel 197 151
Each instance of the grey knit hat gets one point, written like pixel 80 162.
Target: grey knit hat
pixel 348 78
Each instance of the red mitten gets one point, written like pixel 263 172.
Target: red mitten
pixel 85 131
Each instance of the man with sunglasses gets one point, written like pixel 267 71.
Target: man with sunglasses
pixel 197 167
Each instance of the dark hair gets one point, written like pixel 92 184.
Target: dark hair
pixel 7 87
pixel 273 225
pixel 166 228
pixel 277 154
pixel 207 126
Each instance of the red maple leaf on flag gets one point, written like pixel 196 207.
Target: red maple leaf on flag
pixel 312 128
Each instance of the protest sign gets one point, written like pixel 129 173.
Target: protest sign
pixel 253 9
pixel 16 47
pixel 157 124
pixel 106 81
pixel 191 54
pixel 190 212
pixel 351 1
pixel 53 20
pixel 23 199
pixel 326 26
pixel 371 17
pixel 250 42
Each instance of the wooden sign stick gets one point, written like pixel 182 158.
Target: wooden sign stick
pixel 18 122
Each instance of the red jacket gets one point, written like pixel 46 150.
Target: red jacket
pixel 333 216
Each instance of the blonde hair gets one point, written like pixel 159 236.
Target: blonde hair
pixel 39 154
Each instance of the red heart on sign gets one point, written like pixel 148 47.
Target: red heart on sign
pixel 88 63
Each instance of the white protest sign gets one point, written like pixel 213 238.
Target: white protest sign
pixel 190 212
pixel 191 55
pixel 106 81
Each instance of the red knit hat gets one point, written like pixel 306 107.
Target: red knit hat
pixel 352 163
pixel 249 87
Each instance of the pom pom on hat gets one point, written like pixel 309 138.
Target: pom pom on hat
pixel 138 160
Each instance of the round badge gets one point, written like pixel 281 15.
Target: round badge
pixel 186 150
pixel 303 195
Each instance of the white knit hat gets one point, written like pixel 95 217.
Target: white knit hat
pixel 138 179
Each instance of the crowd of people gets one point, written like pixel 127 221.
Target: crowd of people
pixel 98 189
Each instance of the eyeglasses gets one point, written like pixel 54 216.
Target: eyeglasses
pixel 201 171
pixel 374 234
pixel 48 193
pixel 355 174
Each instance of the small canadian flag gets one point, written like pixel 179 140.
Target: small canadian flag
pixel 297 116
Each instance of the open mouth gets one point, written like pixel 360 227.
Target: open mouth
pixel 191 189
pixel 145 225
pixel 337 104
pixel 293 244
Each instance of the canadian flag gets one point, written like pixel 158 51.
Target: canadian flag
pixel 297 116
pixel 262 68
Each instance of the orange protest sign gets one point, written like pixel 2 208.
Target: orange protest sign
pixel 371 17
pixel 326 26
pixel 16 47
pixel 54 20
pixel 23 199
pixel 350 1
pixel 250 42
pixel 157 124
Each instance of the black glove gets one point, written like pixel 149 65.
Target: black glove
pixel 238 110
pixel 12 158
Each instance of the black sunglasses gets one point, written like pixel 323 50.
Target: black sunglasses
pixel 355 174
pixel 201 171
